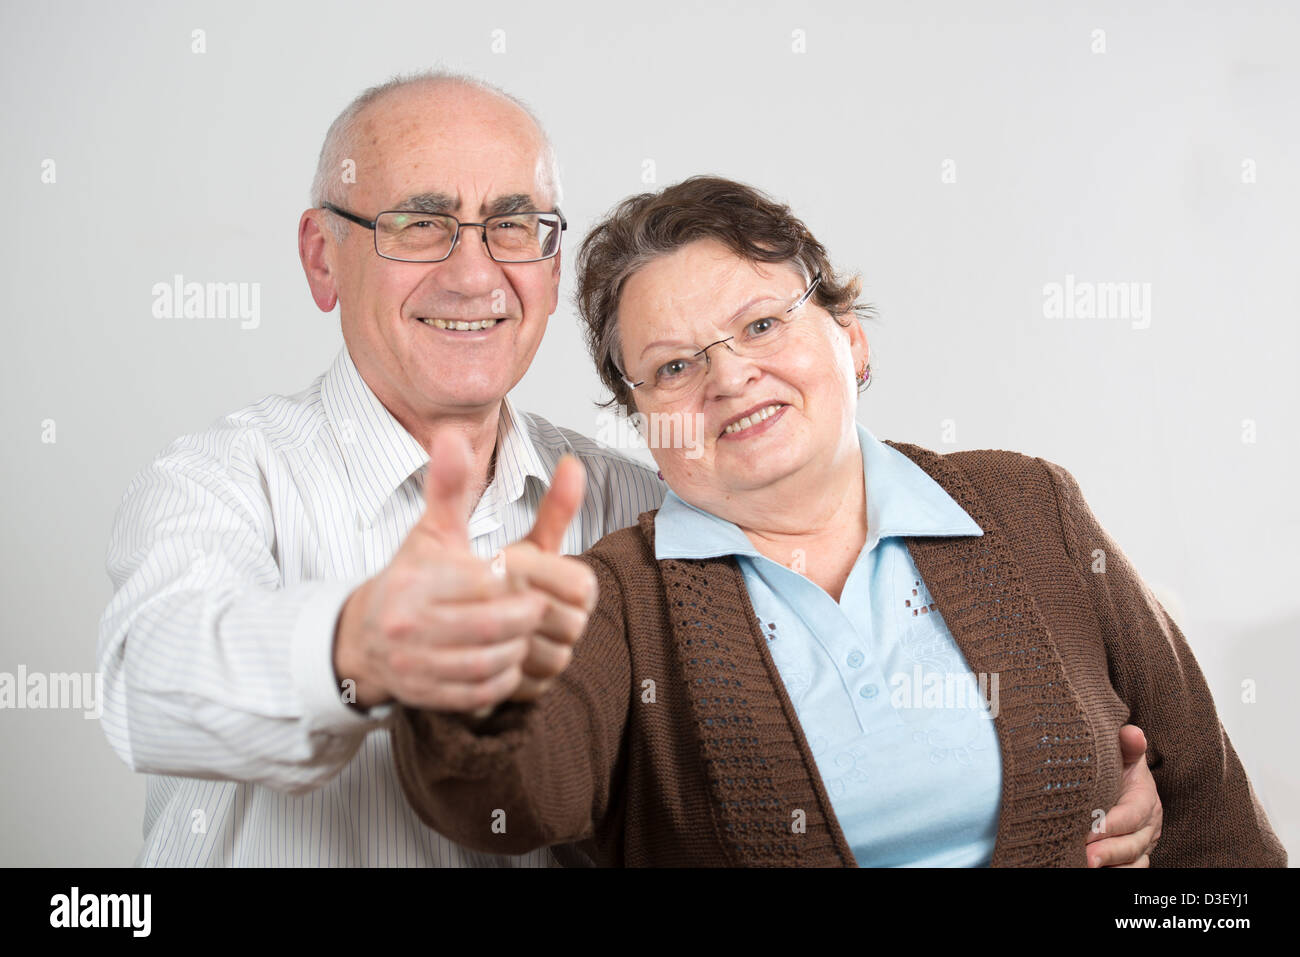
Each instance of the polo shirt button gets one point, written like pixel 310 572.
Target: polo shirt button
pixel 868 691
pixel 855 659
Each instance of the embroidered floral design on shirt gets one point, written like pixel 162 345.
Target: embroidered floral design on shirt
pixel 797 682
pixel 920 602
pixel 847 770
pixel 924 637
pixel 944 745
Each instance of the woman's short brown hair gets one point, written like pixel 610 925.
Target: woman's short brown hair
pixel 642 228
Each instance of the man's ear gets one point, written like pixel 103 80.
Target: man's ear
pixel 315 250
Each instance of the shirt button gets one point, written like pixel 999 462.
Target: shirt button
pixel 855 659
pixel 868 691
pixel 362 524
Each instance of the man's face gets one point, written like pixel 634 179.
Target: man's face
pixel 463 152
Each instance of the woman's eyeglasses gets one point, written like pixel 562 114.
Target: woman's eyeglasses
pixel 671 376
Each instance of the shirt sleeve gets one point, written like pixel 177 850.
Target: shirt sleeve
pixel 619 489
pixel 530 775
pixel 211 667
pixel 631 489
pixel 1212 817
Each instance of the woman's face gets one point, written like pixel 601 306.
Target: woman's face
pixel 697 295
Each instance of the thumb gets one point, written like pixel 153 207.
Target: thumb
pixel 559 506
pixel 1132 744
pixel 446 490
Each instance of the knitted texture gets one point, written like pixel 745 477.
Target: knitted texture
pixel 670 739
pixel 768 803
pixel 1049 770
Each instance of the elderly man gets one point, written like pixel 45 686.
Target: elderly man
pixel 396 532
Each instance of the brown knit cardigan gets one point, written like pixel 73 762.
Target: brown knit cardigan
pixel 670 739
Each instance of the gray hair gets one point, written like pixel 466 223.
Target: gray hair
pixel 341 139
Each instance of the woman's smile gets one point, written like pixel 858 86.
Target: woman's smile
pixel 754 422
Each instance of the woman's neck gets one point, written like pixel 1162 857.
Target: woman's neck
pixel 822 531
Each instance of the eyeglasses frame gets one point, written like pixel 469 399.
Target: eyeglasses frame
pixel 807 294
pixel 372 225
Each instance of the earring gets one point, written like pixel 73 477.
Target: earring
pixel 864 378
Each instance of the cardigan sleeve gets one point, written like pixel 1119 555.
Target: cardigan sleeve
pixel 1212 817
pixel 529 775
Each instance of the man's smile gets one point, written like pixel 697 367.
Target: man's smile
pixel 460 325
pixel 463 328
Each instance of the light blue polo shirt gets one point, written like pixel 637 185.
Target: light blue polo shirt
pixel 899 726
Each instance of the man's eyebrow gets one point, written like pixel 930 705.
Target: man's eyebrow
pixel 429 203
pixel 445 203
pixel 510 203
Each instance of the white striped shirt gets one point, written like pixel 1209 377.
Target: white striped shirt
pixel 231 556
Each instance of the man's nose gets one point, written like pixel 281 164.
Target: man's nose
pixel 469 270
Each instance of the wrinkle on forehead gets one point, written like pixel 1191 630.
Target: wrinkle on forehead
pixel 688 298
pixel 449 141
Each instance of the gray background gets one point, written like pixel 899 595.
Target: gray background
pixel 1114 167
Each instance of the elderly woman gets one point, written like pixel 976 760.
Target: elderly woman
pixel 825 649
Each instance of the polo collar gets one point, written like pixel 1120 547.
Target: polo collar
pixel 902 500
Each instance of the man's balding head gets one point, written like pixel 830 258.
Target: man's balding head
pixel 355 128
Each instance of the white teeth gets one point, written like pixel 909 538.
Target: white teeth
pixel 461 326
pixel 752 419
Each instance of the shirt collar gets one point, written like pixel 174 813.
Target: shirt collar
pixel 381 455
pixel 902 500
pixel 517 456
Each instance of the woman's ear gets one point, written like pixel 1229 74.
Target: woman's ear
pixel 858 345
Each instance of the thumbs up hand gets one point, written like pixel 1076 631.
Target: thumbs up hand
pixel 447 501
pixel 569 584
pixel 439 628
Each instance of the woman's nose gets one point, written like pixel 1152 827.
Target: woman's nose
pixel 728 372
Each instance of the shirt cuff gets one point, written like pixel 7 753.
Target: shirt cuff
pixel 312 663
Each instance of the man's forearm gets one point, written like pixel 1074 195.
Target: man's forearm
pixel 213 682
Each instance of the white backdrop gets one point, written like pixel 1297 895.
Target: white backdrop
pixel 962 158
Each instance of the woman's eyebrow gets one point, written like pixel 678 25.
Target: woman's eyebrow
pixel 659 343
pixel 756 301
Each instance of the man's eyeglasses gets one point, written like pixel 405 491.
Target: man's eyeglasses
pixel 675 375
pixel 410 236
